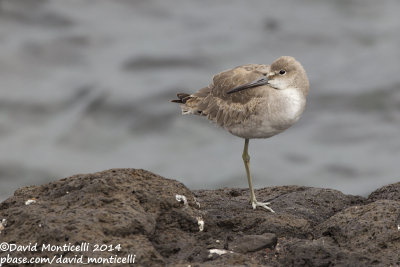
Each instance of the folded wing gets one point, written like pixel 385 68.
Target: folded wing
pixel 227 109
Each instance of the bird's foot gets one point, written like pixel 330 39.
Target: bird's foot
pixel 256 204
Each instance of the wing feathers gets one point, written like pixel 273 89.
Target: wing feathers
pixel 214 102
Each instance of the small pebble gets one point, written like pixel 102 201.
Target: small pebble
pixel 30 201
pixel 181 198
pixel 200 222
pixel 3 224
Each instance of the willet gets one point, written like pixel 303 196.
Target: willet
pixel 252 101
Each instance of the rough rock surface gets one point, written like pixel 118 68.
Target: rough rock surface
pixel 161 222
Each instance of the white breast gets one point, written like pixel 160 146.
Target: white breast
pixel 275 115
pixel 295 103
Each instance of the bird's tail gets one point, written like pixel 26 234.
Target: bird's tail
pixel 195 103
pixel 182 98
pixel 188 103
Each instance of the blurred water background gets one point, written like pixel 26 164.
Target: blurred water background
pixel 85 85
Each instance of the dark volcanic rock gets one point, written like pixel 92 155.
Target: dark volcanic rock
pixel 128 207
pixel 160 221
pixel 369 229
pixel 390 192
pixel 317 252
pixel 298 209
pixel 251 243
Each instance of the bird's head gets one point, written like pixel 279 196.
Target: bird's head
pixel 284 73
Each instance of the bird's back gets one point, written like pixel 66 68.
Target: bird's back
pixel 220 107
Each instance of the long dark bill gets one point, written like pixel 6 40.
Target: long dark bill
pixel 259 82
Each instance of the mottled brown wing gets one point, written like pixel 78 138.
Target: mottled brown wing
pixel 230 109
pixel 227 80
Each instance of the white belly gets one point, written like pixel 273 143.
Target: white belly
pixel 273 117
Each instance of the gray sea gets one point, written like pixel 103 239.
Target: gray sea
pixel 85 86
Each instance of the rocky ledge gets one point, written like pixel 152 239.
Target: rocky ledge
pixel 160 222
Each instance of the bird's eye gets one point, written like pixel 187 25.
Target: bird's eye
pixel 282 72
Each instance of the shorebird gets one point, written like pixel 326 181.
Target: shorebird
pixel 252 101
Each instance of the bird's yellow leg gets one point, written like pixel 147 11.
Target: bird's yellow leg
pixel 246 160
